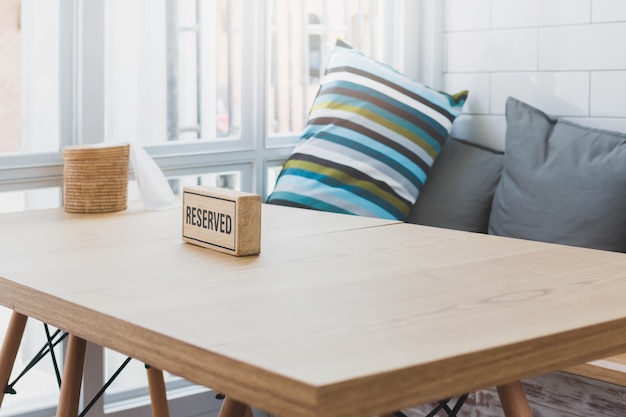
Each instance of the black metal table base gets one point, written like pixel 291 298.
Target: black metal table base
pixel 52 340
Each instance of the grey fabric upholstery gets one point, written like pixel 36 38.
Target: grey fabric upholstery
pixel 561 183
pixel 460 187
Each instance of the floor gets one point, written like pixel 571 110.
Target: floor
pixel 557 394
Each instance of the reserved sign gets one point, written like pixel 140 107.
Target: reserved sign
pixel 224 220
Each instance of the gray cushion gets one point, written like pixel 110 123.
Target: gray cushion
pixel 460 187
pixel 562 182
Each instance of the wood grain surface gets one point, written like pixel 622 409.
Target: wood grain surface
pixel 338 316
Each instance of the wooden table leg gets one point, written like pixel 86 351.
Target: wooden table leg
pixel 11 345
pixel 514 401
pixel 234 408
pixel 248 412
pixel 158 396
pixel 69 400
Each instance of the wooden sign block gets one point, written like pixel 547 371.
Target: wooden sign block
pixel 224 220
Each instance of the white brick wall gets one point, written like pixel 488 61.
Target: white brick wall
pixel 566 57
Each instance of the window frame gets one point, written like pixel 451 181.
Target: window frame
pixel 81 75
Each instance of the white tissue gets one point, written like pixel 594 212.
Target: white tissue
pixel 155 191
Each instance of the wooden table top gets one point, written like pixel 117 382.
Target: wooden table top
pixel 338 315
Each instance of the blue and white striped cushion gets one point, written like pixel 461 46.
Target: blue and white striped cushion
pixel 371 138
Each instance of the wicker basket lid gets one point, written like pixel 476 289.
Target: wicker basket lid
pixel 99 151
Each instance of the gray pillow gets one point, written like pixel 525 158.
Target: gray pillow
pixel 460 187
pixel 562 182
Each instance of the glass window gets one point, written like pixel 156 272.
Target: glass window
pixel 273 170
pixel 173 70
pixel 302 34
pixel 36 199
pixel 133 375
pixel 29 76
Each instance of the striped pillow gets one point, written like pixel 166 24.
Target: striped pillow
pixel 370 140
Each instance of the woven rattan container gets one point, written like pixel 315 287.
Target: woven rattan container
pixel 95 178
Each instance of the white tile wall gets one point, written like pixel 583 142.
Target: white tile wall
pixel 492 50
pixel 608 94
pixel 467 15
pixel 608 11
pixel 478 86
pixel 584 47
pixel 562 93
pixel 531 13
pixel 485 130
pixel 566 57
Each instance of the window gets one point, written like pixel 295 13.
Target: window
pixel 29 109
pixel 302 34
pixel 216 91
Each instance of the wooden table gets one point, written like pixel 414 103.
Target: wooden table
pixel 339 315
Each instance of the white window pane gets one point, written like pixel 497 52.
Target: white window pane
pixel 225 179
pixel 271 176
pixel 302 34
pixel 36 199
pixel 228 63
pixel 132 377
pixel 173 70
pixel 29 75
pixel 135 75
pixel 231 180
